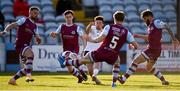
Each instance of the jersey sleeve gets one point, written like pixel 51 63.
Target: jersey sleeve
pixel 80 31
pixel 105 30
pixel 37 31
pixel 130 38
pixel 58 30
pixel 159 24
pixel 21 21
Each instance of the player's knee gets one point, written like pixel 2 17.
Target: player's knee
pixel 139 59
pixel 116 65
pixel 148 68
pixel 29 53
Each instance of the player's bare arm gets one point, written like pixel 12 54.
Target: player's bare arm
pixel 145 37
pixel 53 34
pixel 84 40
pixel 98 39
pixel 173 38
pixel 88 28
pixel 10 26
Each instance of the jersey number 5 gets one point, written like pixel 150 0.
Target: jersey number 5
pixel 114 42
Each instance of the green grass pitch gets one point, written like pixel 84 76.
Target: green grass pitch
pixel 65 82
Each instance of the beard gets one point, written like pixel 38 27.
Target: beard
pixel 148 22
pixel 34 19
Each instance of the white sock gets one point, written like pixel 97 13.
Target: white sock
pixel 123 78
pixel 95 72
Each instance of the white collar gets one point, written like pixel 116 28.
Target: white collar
pixel 69 25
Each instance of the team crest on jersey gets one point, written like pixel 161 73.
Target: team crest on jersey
pixel 151 28
pixel 73 32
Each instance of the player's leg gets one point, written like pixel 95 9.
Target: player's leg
pixel 139 59
pixel 29 55
pixel 19 74
pixel 22 61
pixel 90 69
pixel 26 52
pixel 72 70
pixel 115 72
pixel 85 60
pixel 96 68
pixel 78 62
pixel 89 66
pixel 83 73
pixel 81 70
pixel 150 68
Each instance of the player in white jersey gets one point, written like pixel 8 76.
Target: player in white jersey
pixel 93 30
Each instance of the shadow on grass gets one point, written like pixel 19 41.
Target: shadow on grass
pixel 35 73
pixel 49 85
pixel 95 84
pixel 60 77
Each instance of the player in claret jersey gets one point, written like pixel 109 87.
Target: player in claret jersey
pixel 70 33
pixel 153 50
pixel 26 30
pixel 113 37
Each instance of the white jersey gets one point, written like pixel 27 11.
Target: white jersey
pixel 93 34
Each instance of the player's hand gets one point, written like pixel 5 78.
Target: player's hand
pixel 53 34
pixel 175 43
pixel 136 35
pixel 2 33
pixel 38 40
pixel 131 47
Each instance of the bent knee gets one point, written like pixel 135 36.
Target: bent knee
pixel 28 53
pixel 139 59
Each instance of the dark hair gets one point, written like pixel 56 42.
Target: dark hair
pixel 34 8
pixel 101 18
pixel 146 12
pixel 68 12
pixel 119 16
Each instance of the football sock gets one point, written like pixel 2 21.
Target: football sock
pixel 73 63
pixel 75 72
pixel 95 72
pixel 115 72
pixel 130 71
pixel 157 74
pixel 28 65
pixel 19 74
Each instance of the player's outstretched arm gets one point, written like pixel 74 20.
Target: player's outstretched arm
pixel 145 37
pixel 97 40
pixel 173 38
pixel 10 26
pixel 84 38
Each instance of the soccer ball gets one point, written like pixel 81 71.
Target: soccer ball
pixel 69 55
pixel 65 56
